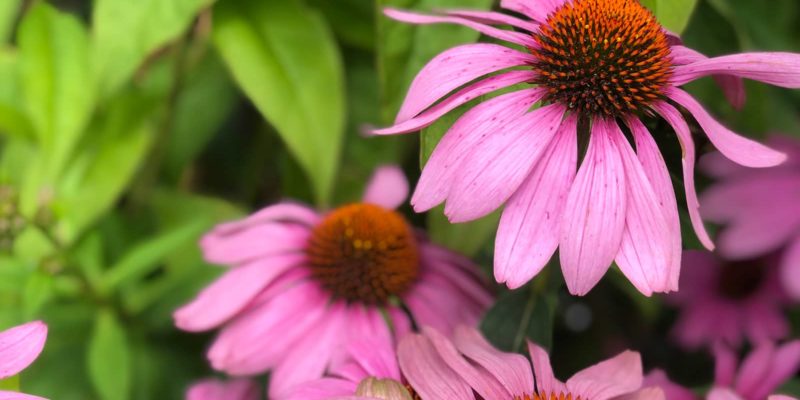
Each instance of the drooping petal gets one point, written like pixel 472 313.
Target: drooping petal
pixel 790 269
pixel 483 383
pixel 512 370
pixel 427 373
pixel 610 378
pixel 4 395
pixel 754 369
pixel 254 242
pixel 423 19
pixel 738 148
pixel 732 87
pixel 538 10
pixel 529 228
pixel 546 381
pixel 453 68
pixel 19 347
pixel 459 98
pixel 594 217
pixel 657 173
pixel 677 122
pixel 484 119
pixel 646 252
pixel 768 228
pixel 230 293
pixel 213 389
pixel 779 69
pixel 724 364
pixel 388 187
pixel 496 18
pixel 721 393
pixel 672 390
pixel 785 364
pixel 499 163
pixel 281 212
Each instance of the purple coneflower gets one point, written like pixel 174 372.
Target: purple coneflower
pixel 19 347
pixel 603 64
pixel 307 283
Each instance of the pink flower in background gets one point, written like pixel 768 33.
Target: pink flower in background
pixel 766 368
pixel 438 368
pixel 19 347
pixel 590 62
pixel 672 390
pixel 305 285
pixel 728 301
pixel 214 389
pixel 760 209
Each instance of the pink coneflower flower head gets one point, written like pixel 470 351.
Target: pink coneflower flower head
pixel 728 301
pixel 468 366
pixel 759 375
pixel 19 347
pixel 304 282
pixel 604 64
pixel 760 209
pixel 215 389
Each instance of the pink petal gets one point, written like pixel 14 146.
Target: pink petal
pixel 427 373
pixel 649 393
pixel 528 232
pixel 388 187
pixel 754 369
pixel 781 397
pixel 19 347
pixel 646 252
pixel 453 68
pixel 607 379
pixel 672 390
pixel 538 10
pixel 725 365
pixel 499 164
pixel 594 219
pixel 738 148
pixel 513 371
pixel 435 302
pixel 321 389
pixel 230 293
pixel 423 19
pixel 784 365
pixel 754 235
pixel 18 396
pixel 483 120
pixel 723 394
pixel 779 69
pixel 675 119
pixel 282 212
pixel 370 342
pixel 496 18
pixel 656 170
pixel 253 242
pixel 213 389
pixel 463 96
pixel 732 86
pixel 468 283
pixel 546 381
pixel 481 381
pixel 790 269
pixel 298 365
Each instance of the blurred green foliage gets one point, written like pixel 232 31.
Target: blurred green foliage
pixel 128 128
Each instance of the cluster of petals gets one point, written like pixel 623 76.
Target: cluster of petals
pixel 19 347
pixel 618 205
pixel 758 376
pixel 759 208
pixel 466 366
pixel 215 389
pixel 274 316
pixel 709 315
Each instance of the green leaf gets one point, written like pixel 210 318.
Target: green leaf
pixel 673 14
pixel 145 257
pixel 10 384
pixel 109 358
pixel 520 315
pixel 467 238
pixel 284 57
pixel 403 49
pixel 8 15
pixel 126 32
pixel 56 83
pixel 352 20
pixel 38 291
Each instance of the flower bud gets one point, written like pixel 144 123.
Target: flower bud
pixel 386 389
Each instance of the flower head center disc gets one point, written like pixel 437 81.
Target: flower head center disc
pixel 741 279
pixel 607 57
pixel 364 253
pixel 548 396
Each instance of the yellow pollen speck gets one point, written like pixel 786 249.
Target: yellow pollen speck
pixel 367 245
pixel 357 243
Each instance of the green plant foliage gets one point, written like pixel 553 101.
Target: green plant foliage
pixel 519 316
pixel 284 58
pixel 110 358
pixel 673 14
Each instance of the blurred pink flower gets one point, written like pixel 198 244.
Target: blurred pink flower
pixel 614 67
pixel 760 209
pixel 759 375
pixel 19 347
pixel 728 301
pixel 214 389
pixel 672 390
pixel 305 284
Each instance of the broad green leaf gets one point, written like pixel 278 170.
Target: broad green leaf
pixel 672 14
pixel 56 83
pixel 14 121
pixel 404 49
pixel 109 358
pixel 38 291
pixel 284 57
pixel 520 315
pixel 467 238
pixel 8 14
pixel 126 32
pixel 10 384
pixel 352 20
pixel 144 258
